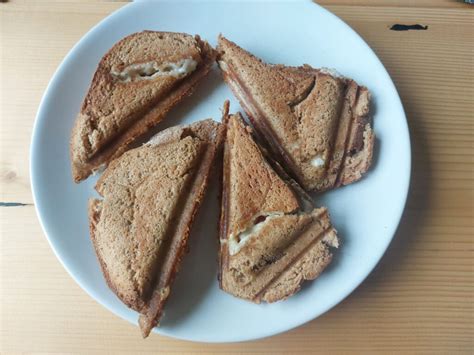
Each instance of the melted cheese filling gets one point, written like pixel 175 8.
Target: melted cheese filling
pixel 237 242
pixel 317 161
pixel 152 70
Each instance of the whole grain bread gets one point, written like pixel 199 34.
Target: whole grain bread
pixel 141 226
pixel 314 121
pixel 135 85
pixel 270 239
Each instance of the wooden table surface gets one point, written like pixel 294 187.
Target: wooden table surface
pixel 419 298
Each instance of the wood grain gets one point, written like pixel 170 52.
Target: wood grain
pixel 419 298
pixel 423 4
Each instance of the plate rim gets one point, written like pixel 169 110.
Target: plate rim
pixel 39 119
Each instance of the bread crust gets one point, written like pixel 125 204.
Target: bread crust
pixel 224 199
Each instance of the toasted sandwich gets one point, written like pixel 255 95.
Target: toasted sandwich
pixel 135 85
pixel 315 122
pixel 271 236
pixel 140 227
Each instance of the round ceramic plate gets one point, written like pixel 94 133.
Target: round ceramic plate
pixel 366 213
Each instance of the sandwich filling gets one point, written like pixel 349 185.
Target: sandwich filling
pixel 152 70
pixel 317 161
pixel 239 240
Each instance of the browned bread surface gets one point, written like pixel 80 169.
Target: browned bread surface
pixel 141 226
pixel 255 187
pixel 135 85
pixel 315 122
pixel 269 244
pixel 212 133
pixel 141 193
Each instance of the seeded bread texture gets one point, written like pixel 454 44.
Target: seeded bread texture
pixel 279 244
pixel 315 123
pixel 116 112
pixel 140 227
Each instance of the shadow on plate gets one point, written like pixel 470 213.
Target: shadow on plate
pixel 177 114
pixel 417 205
pixel 198 272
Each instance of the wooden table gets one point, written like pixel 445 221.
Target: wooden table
pixel 419 298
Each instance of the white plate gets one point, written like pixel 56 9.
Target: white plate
pixel 366 213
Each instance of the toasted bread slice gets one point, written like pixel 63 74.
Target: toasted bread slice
pixel 135 85
pixel 271 237
pixel 141 226
pixel 314 121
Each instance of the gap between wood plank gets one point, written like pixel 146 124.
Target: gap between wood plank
pixel 14 204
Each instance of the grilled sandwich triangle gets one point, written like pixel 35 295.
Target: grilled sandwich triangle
pixel 141 226
pixel 314 121
pixel 271 237
pixel 135 85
